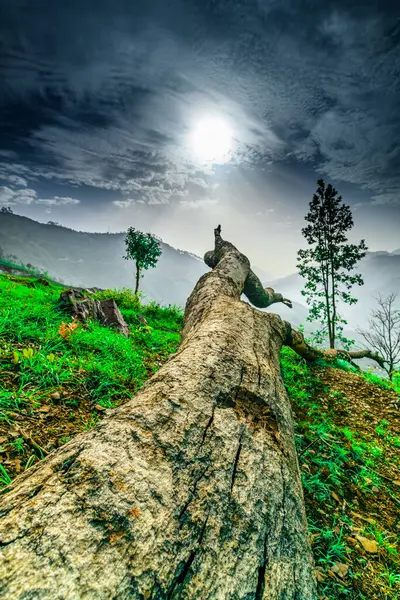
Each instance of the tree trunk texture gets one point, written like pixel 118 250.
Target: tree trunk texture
pixel 189 491
pixel 137 278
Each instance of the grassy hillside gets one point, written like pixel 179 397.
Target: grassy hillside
pixel 95 259
pixel 56 381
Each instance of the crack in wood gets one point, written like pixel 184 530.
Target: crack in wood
pixel 180 579
pixel 236 461
pixel 207 427
pixel 259 594
pixel 67 464
pixel 192 492
pixel 242 372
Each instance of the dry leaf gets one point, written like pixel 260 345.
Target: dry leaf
pixel 351 540
pixel 368 545
pixel 363 518
pixel 341 569
pixel 335 496
pixel 43 409
pixel 99 407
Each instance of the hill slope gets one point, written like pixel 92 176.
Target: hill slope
pixel 95 259
pixel 381 274
pixel 53 386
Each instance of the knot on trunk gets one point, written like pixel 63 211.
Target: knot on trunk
pixel 83 307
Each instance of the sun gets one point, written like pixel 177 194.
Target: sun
pixel 212 140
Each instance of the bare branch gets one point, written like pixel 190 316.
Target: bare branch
pixel 295 340
pixel 258 295
pixel 383 333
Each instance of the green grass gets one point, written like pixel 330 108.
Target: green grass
pixel 108 365
pixel 98 366
pixel 92 362
pixel 337 464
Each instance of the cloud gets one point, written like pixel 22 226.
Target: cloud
pixel 389 198
pixel 16 180
pixel 11 197
pixel 202 203
pixel 110 102
pixel 124 203
pixel 57 201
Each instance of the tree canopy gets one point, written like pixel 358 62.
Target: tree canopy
pixel 143 248
pixel 328 264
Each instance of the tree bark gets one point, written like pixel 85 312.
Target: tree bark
pixel 296 341
pixel 137 278
pixel 191 490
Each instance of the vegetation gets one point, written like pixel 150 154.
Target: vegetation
pixel 349 461
pixel 58 377
pixel 327 265
pixel 383 334
pixel 144 249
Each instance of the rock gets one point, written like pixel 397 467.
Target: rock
pixel 103 311
pixel 113 317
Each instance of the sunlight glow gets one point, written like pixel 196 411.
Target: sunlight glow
pixel 212 140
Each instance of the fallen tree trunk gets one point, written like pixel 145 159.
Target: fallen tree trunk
pixel 191 490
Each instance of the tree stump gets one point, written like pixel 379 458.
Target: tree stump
pixel 83 308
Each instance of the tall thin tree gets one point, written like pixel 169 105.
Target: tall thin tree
pixel 327 265
pixel 144 249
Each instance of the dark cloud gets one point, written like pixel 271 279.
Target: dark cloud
pixel 103 95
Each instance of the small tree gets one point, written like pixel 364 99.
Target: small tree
pixel 144 249
pixel 383 334
pixel 327 264
pixel 7 209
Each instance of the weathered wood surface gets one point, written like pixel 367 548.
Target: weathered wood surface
pixel 190 491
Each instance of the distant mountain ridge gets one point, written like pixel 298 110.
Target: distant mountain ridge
pixel 381 275
pixel 95 259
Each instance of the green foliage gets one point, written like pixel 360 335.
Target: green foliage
pixel 327 265
pixel 340 466
pixel 143 248
pixel 5 479
pixel 94 361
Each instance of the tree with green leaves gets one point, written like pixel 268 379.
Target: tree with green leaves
pixel 327 266
pixel 144 249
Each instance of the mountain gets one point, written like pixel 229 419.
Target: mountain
pixel 381 275
pixel 95 259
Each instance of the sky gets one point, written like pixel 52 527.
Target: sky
pixel 176 115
